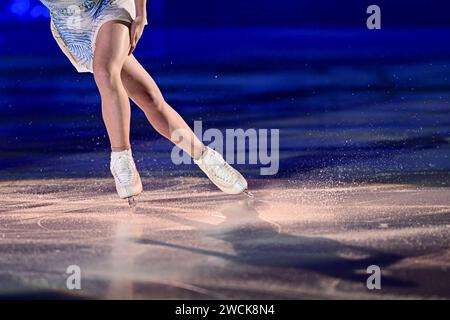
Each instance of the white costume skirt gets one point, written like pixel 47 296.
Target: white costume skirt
pixel 75 24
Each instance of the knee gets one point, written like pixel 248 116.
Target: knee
pixel 107 77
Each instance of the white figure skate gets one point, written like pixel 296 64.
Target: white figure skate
pixel 224 176
pixel 127 179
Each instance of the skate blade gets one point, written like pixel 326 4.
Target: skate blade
pixel 132 202
pixel 248 193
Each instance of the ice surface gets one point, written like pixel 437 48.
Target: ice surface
pixel 187 240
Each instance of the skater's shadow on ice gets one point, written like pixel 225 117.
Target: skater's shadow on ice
pixel 259 242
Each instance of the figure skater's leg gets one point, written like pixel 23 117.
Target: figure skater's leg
pixel 112 47
pixel 111 51
pixel 143 90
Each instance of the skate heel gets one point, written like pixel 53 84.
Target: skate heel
pixel 126 177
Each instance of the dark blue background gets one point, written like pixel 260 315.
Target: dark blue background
pixel 266 12
pixel 351 104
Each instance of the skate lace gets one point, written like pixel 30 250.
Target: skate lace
pixel 123 169
pixel 228 174
pixel 222 171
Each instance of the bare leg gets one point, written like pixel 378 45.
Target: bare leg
pixel 142 89
pixel 112 45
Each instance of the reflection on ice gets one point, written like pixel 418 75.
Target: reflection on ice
pixel 294 239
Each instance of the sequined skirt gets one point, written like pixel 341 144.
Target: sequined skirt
pixel 75 24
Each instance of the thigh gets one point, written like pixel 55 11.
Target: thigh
pixel 140 86
pixel 111 46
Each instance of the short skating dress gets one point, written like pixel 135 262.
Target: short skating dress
pixel 75 24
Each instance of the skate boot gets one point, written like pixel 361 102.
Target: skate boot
pixel 224 176
pixel 128 181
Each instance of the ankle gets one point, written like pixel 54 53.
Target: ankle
pixel 120 149
pixel 197 154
